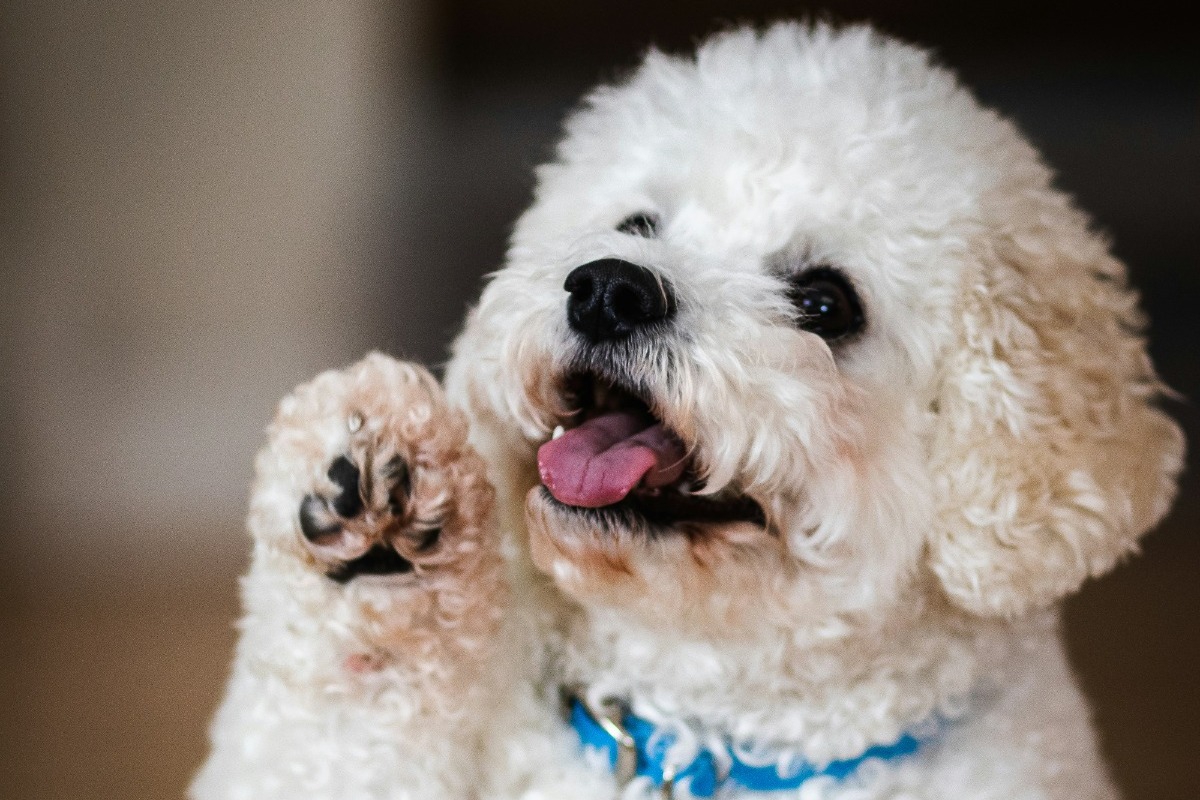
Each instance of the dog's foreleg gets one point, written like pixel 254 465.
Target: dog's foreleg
pixel 372 604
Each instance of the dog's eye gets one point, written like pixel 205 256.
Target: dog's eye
pixel 641 224
pixel 827 304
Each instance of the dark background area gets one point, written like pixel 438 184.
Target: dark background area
pixel 114 664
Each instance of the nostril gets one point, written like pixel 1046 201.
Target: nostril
pixel 579 285
pixel 583 312
pixel 628 304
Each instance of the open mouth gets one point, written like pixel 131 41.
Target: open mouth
pixel 615 459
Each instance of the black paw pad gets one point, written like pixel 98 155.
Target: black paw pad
pixel 396 473
pixel 315 523
pixel 379 560
pixel 429 539
pixel 322 518
pixel 345 474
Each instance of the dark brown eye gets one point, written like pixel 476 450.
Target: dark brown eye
pixel 826 303
pixel 642 224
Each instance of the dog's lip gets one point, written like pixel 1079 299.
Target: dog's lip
pixel 588 394
pixel 661 513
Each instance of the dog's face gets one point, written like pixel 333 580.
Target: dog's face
pixel 795 331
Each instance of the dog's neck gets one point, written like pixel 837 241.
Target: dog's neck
pixel 823 702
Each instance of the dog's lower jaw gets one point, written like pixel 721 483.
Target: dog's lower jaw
pixel 689 576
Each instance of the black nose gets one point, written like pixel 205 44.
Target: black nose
pixel 610 299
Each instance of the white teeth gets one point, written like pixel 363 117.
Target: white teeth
pixel 558 431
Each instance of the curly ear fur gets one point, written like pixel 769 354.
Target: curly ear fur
pixel 1051 457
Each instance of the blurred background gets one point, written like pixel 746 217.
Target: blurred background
pixel 204 202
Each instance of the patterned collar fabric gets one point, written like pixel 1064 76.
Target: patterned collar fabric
pixel 713 768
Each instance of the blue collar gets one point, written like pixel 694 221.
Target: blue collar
pixel 636 747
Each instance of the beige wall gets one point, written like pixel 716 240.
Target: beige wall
pixel 198 211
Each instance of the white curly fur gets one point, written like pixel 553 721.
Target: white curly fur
pixel 933 486
pixel 367 689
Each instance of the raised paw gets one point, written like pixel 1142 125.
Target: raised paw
pixel 373 603
pixel 372 467
pixel 368 511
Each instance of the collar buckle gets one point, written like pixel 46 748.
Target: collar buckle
pixel 667 788
pixel 610 715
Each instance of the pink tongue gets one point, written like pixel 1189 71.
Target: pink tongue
pixel 604 459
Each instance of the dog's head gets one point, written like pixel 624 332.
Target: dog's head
pixel 794 329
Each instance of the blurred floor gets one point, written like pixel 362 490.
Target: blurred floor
pixel 110 697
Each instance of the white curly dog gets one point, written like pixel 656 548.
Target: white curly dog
pixel 802 400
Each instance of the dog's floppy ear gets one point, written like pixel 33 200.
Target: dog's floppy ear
pixel 1051 456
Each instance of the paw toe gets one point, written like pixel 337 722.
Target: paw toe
pixel 315 521
pixel 346 475
pixel 398 478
